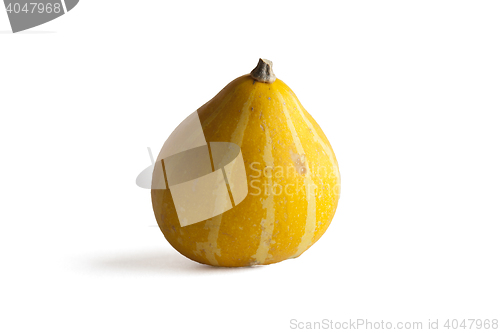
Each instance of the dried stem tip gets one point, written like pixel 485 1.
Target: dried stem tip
pixel 264 71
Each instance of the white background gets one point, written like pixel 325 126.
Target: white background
pixel 408 94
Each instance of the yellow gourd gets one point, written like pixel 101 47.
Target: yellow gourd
pixel 292 178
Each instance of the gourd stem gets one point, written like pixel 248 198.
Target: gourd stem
pixel 264 71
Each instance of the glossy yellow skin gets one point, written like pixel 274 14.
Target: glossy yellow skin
pixel 281 145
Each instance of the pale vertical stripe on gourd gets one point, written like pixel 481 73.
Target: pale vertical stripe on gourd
pixel 239 132
pixel 310 226
pixel 266 223
pixel 211 246
pixel 328 150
